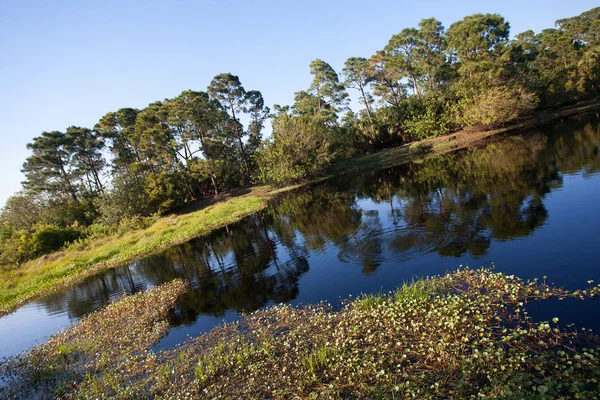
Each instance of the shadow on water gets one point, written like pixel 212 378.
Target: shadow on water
pixel 527 203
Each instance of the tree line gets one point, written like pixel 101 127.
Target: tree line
pixel 426 81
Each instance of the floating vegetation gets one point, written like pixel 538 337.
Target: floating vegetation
pixel 94 356
pixel 463 335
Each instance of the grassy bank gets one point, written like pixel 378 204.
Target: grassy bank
pixel 462 335
pixel 18 285
pixel 21 284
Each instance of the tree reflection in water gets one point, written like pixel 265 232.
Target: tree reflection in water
pixel 452 205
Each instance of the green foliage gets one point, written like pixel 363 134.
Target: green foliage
pixel 401 53
pixel 424 83
pixel 118 129
pixel 165 189
pixel 427 117
pixel 350 139
pixel 22 211
pixel 325 98
pixel 327 89
pixel 127 198
pixel 301 147
pixel 228 90
pixel 46 239
pixel 32 225
pixel 477 35
pixel 17 246
pixel 49 168
pixel 494 106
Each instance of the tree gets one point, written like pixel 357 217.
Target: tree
pixel 306 104
pixel 157 146
pixel 258 114
pixel 583 29
pixel 431 57
pixel 402 55
pixel 118 128
pixel 387 83
pixel 86 148
pixel 228 90
pixel 357 75
pixel 475 38
pixel 477 35
pixel 302 146
pixel 22 211
pixel 204 119
pixel 326 87
pixel 164 166
pixel 49 168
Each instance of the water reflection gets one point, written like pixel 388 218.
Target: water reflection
pixel 449 205
pixel 362 233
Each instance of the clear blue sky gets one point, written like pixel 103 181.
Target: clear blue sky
pixel 68 63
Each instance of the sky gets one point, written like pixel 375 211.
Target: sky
pixel 65 63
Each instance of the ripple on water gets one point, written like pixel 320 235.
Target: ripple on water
pixel 395 244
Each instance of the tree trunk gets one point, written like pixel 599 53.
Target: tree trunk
pixel 96 176
pixel 214 182
pixel 368 111
pixel 213 177
pixel 244 157
pixel 415 85
pixel 366 102
pixel 239 137
pixel 67 183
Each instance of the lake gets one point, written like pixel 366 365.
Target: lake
pixel 525 204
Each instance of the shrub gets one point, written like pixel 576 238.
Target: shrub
pixel 427 117
pixel 45 239
pixel 129 197
pixel 301 147
pixel 494 106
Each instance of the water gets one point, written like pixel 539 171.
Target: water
pixel 527 203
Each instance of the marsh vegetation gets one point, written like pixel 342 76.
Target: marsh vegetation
pixel 466 334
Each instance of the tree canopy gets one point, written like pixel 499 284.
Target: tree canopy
pixel 425 81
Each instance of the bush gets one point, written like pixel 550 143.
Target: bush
pixel 128 198
pixel 301 147
pixel 43 240
pixel 494 106
pixel 427 117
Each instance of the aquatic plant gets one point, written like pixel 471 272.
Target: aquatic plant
pixel 100 345
pixel 466 334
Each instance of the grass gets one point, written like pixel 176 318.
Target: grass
pixel 51 272
pixel 18 285
pixel 462 335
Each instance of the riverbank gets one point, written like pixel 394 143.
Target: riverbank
pixel 66 267
pixel 51 272
pixel 454 141
pixel 462 335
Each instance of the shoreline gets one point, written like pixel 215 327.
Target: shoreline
pixel 436 337
pixel 61 269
